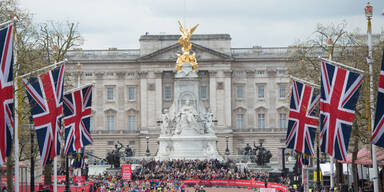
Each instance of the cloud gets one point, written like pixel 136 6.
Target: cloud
pixel 119 23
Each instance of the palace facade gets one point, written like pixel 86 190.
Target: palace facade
pixel 247 90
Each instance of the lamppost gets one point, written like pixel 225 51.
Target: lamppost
pixel 78 67
pixel 147 152
pixel 369 14
pixel 227 149
pixel 32 155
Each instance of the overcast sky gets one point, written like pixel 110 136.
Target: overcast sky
pixel 268 23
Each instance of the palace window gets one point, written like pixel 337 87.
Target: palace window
pixel 110 122
pixel 110 93
pixel 240 121
pixel 282 91
pixel 131 122
pixel 110 142
pixel 239 73
pixel 283 120
pixel 131 93
pixel 167 93
pixel 261 120
pixel 260 91
pixel 239 92
pixel 203 92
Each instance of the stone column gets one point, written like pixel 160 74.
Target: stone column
pixel 99 100
pixel 250 98
pixel 158 94
pixel 151 100
pixel 121 122
pixel 143 99
pixel 212 92
pixel 228 98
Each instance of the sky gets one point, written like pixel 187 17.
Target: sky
pixel 268 23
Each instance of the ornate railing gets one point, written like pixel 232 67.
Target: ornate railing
pixel 104 54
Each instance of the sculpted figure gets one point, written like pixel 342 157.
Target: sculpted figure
pixel 185 42
pixel 208 117
pixel 187 117
pixel 165 126
pixel 186 34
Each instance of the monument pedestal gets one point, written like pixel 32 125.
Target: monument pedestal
pixel 187 130
pixel 188 147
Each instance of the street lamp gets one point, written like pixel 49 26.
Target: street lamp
pixel 78 67
pixel 227 149
pixel 368 14
pixel 147 152
pixel 32 156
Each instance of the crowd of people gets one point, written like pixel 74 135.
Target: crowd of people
pixel 197 169
pixel 117 184
pixel 151 175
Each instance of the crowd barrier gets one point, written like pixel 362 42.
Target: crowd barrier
pixel 26 187
pixel 238 183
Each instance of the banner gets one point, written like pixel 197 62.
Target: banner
pixel 242 183
pixel 222 182
pixel 78 179
pixel 60 178
pixel 127 170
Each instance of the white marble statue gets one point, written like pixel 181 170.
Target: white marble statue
pixel 187 117
pixel 165 126
pixel 208 122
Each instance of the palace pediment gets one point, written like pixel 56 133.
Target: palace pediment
pixel 169 54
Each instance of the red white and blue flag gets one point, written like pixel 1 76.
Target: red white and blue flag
pixel 338 98
pixel 77 116
pixel 45 95
pixel 378 131
pixel 6 92
pixel 302 122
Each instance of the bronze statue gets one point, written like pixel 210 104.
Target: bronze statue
pixel 258 154
pixel 185 42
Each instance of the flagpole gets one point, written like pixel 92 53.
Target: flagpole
pixel 14 20
pixel 368 14
pixel 342 65
pixel 43 68
pixel 303 81
pixel 78 88
pixel 16 121
pixel 330 47
pixel 55 174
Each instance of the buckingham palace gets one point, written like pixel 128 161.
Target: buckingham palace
pixel 246 89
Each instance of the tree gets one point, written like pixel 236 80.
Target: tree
pixel 347 48
pixel 55 39
pixel 37 45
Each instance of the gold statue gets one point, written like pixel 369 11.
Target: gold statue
pixel 185 42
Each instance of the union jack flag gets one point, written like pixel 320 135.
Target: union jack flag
pixel 377 133
pixel 339 94
pixel 302 122
pixel 6 92
pixel 45 95
pixel 77 115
